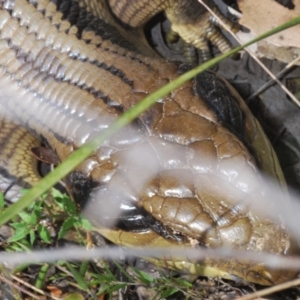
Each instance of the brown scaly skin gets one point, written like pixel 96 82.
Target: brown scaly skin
pixel 64 80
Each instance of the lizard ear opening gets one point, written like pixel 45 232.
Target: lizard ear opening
pixel 46 155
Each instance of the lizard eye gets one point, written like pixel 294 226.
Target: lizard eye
pixel 262 276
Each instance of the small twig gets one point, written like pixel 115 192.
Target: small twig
pixel 271 81
pixel 33 287
pixel 9 282
pixel 271 290
pixel 64 270
pixel 294 99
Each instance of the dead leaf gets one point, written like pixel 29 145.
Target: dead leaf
pixel 261 16
pixel 54 291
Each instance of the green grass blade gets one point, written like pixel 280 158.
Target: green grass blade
pixel 78 277
pixel 41 278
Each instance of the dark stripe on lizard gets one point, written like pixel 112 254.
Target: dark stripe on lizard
pixel 220 100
